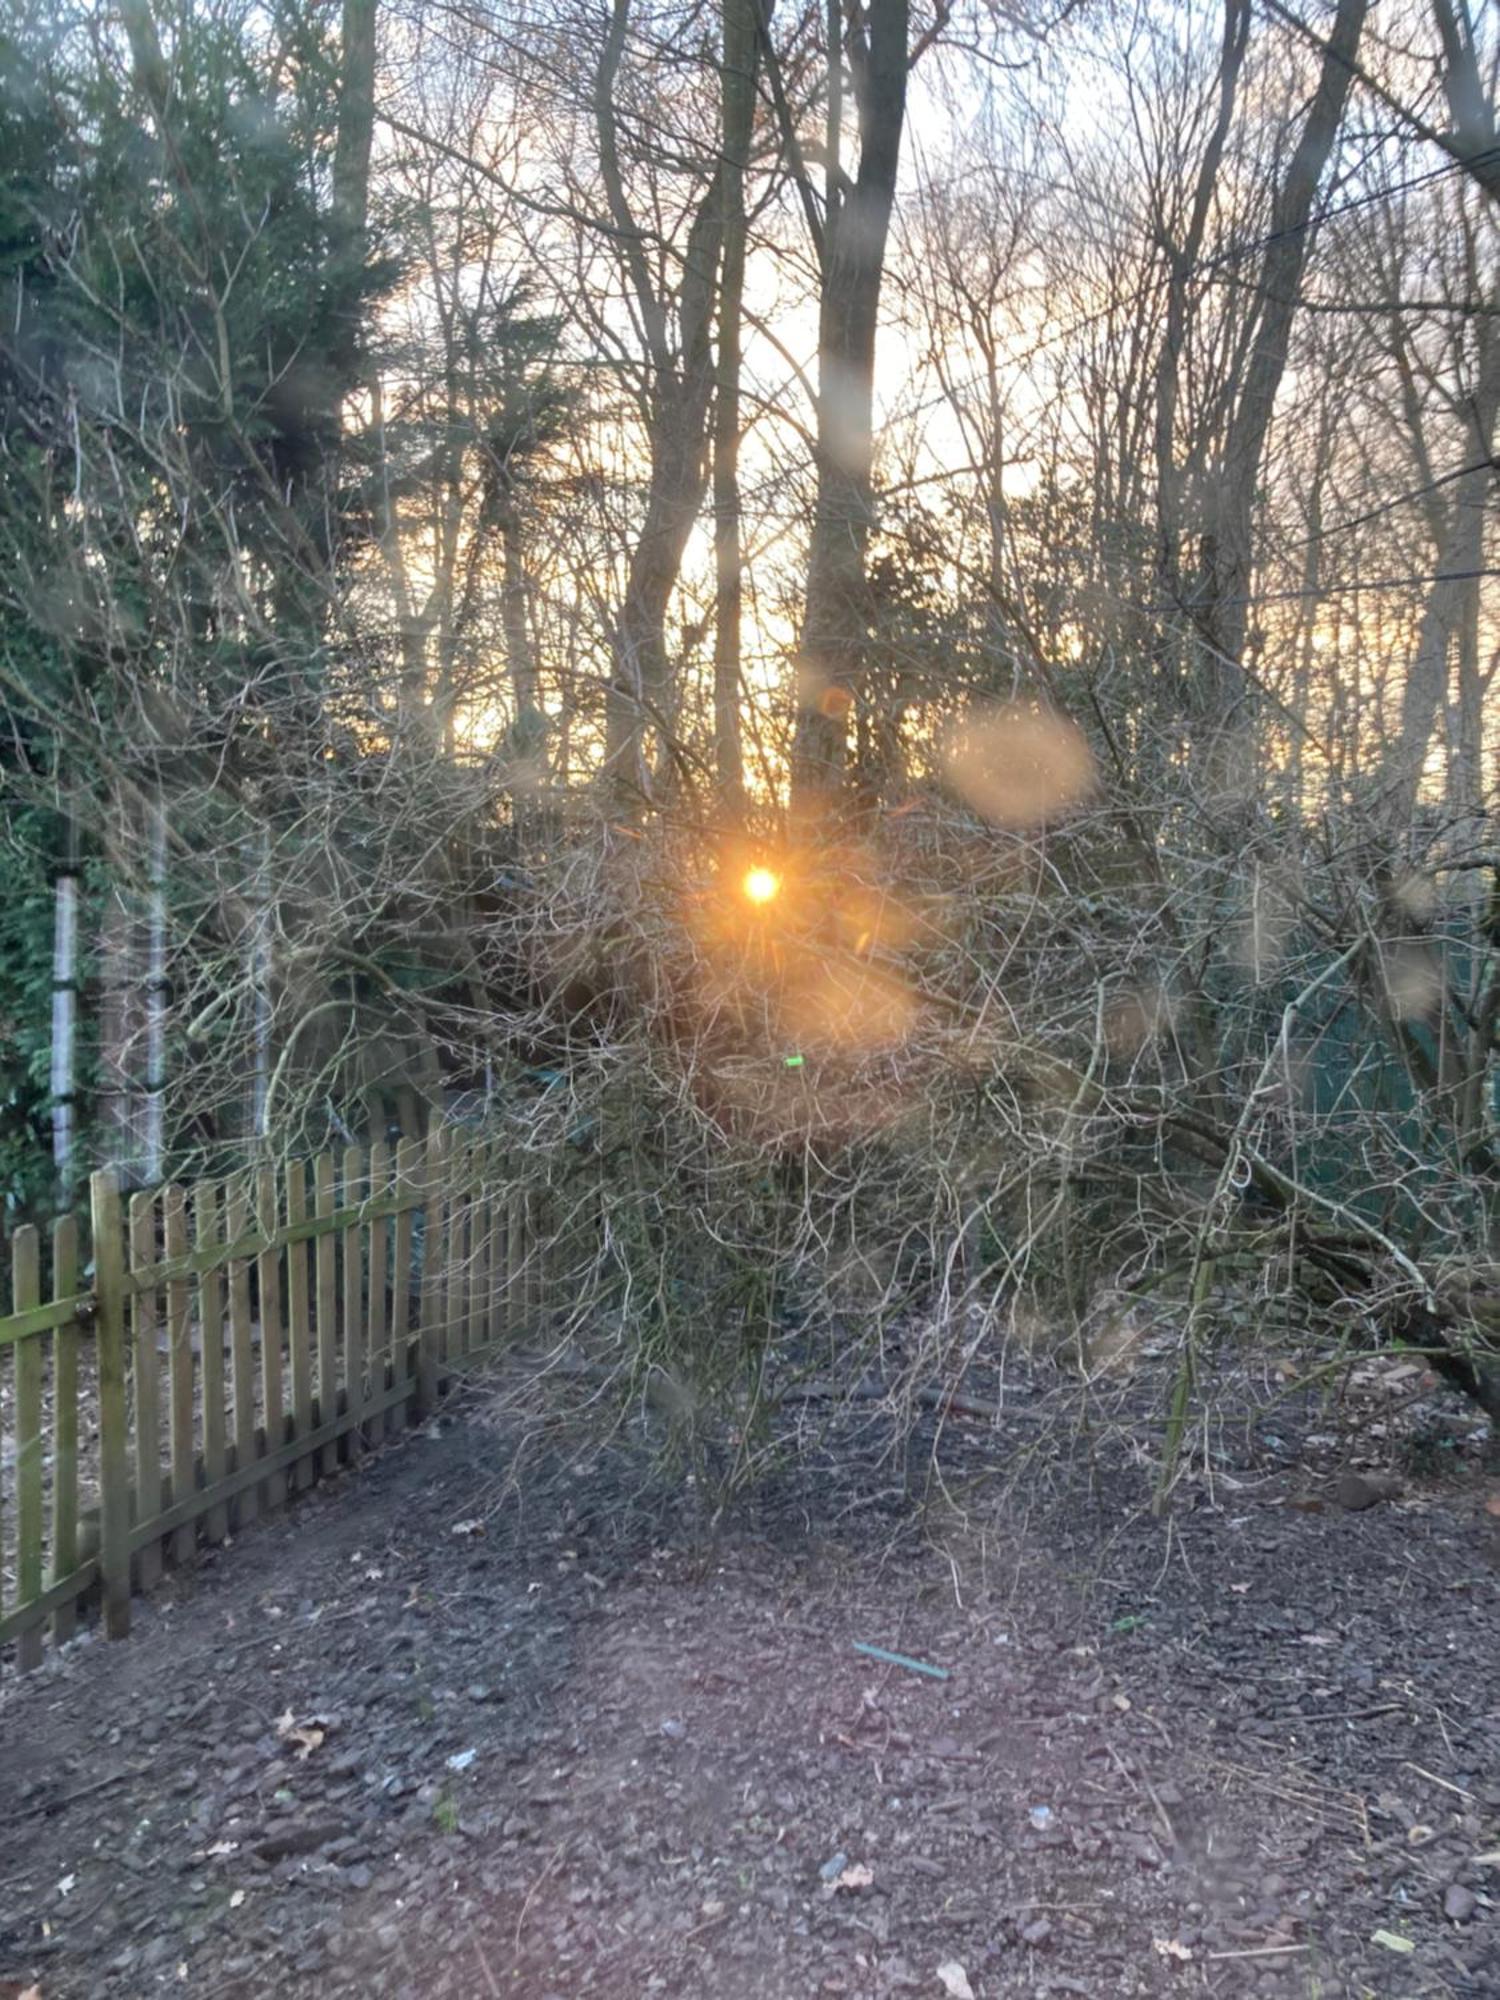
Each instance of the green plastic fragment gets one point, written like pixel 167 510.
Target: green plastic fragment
pixel 1392 1941
pixel 794 1062
pixel 901 1660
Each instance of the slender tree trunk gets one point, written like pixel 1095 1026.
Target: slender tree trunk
pixel 153 1110
pixel 679 397
pixel 741 50
pixel 258 972
pixel 1462 550
pixel 515 618
pixel 1225 617
pixel 639 693
pixel 1182 259
pixel 837 612
pixel 356 123
pixel 65 1024
pixel 119 998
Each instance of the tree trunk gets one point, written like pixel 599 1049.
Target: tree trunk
pixel 837 611
pixel 741 49
pixel 153 1110
pixel 1461 550
pixel 356 123
pixel 1225 616
pixel 679 396
pixel 65 1025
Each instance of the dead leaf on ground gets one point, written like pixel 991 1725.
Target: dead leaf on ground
pixel 1173 1948
pixel 855 1876
pixel 1492 1505
pixel 302 1737
pixel 955 1980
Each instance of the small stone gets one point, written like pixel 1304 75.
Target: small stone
pixel 1459 1904
pixel 1356 1491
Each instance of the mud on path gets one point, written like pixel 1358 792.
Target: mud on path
pixel 429 1735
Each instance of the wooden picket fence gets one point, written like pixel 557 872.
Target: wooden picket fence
pixel 238 1338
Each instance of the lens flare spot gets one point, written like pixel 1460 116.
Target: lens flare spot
pixel 1020 766
pixel 762 885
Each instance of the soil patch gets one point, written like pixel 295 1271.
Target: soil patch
pixel 441 1732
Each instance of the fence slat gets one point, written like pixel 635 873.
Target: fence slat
pixel 114 1443
pixel 353 1334
pixel 268 1279
pixel 174 1230
pixel 235 1482
pixel 493 1316
pixel 408 1170
pixel 515 1253
pixel 26 1283
pixel 328 1353
pixel 64 1428
pixel 479 1251
pixel 429 1352
pixel 456 1318
pixel 241 1344
pixel 145 1315
pixel 299 1317
pixel 381 1377
pixel 207 1238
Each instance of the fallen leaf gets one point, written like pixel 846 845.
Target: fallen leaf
pixel 1240 1589
pixel 1172 1948
pixel 1492 1505
pixel 955 1980
pixel 303 1741
pixel 474 1527
pixel 855 1876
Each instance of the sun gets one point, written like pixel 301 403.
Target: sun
pixel 761 885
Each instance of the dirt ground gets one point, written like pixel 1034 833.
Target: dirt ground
pixel 441 1732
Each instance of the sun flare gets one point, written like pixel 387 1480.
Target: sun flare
pixel 762 885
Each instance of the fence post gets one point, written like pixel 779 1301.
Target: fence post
pixel 114 1457
pixel 25 1251
pixel 65 1421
